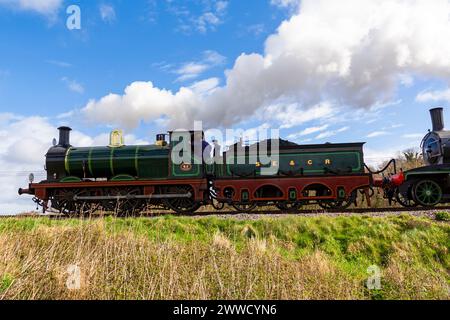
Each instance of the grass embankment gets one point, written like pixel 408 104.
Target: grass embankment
pixel 212 258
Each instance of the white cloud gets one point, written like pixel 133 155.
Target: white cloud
pixel 213 58
pixel 65 115
pixel 61 64
pixel 107 13
pixel 73 85
pixel 434 96
pixel 352 53
pixel 413 136
pixel 256 29
pixel 205 87
pixel 45 7
pixel 329 134
pixel 206 21
pixel 292 115
pixel 143 101
pixel 307 131
pixel 212 14
pixel 376 157
pixel 193 69
pixel 190 70
pixel 221 6
pixel 25 141
pixel 406 80
pixel 377 134
pixel 212 17
pixel 285 3
pixel 379 157
pixel 326 134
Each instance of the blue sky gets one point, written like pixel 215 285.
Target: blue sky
pixel 105 56
pixel 297 66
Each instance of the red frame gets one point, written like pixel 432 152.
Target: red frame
pixel 41 190
pixel 348 183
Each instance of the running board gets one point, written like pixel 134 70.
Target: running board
pixel 132 197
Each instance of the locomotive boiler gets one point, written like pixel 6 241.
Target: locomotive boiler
pixel 115 162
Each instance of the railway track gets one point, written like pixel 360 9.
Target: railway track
pixel 258 213
pixel 321 211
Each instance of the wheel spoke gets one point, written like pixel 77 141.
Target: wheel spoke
pixel 181 205
pixel 405 200
pixel 338 204
pixel 428 193
pixel 245 208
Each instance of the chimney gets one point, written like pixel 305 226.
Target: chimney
pixel 437 119
pixel 64 137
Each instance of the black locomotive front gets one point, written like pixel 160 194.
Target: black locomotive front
pixel 56 155
pixel 436 144
pixel 429 185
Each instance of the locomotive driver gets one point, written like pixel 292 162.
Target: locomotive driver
pixel 202 149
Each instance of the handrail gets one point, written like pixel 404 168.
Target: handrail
pixel 393 161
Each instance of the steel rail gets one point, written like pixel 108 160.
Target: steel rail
pixel 254 213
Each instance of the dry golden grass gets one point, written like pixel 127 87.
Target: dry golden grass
pixel 130 267
pixel 180 258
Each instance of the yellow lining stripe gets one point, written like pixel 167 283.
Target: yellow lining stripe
pixel 90 162
pixel 111 161
pixel 66 161
pixel 136 163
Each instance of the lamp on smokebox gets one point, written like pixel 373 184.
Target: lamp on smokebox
pixel 31 178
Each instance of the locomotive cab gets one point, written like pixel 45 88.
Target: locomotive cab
pixel 183 143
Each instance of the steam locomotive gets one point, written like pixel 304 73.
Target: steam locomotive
pixel 133 179
pixel 429 185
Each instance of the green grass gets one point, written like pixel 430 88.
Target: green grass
pixel 443 216
pixel 182 258
pixel 5 282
